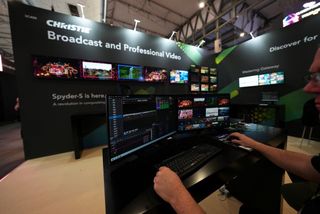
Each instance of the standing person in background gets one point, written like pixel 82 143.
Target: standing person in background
pixel 170 188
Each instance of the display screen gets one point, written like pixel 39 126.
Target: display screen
pixel 195 87
pixel 135 122
pixel 96 70
pixel 54 67
pixel 179 76
pixel 204 87
pixel 203 111
pixel 155 74
pixel 204 79
pixel 213 87
pixel 130 72
pixel 213 71
pixel 195 69
pixel 213 79
pixel 204 70
pixel 262 79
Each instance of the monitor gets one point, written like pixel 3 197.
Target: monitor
pixel 269 96
pixel 135 122
pixel 179 76
pixel 213 71
pixel 195 87
pixel 55 67
pixel 203 111
pixel 248 81
pixel 204 87
pixel 130 72
pixel 155 74
pixel 98 70
pixel 204 79
pixel 204 70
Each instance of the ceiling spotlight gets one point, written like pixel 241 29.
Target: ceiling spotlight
pixel 201 43
pixel 173 32
pixel 81 8
pixel 242 34
pixel 136 21
pixel 202 3
pixel 309 4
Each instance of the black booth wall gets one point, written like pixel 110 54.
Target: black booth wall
pixel 8 95
pixel 290 50
pixel 45 119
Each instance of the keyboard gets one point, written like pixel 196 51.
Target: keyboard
pixel 190 160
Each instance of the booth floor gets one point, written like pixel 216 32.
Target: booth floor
pixel 61 184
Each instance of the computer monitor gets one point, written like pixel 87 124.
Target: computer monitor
pixel 179 76
pixel 98 70
pixel 130 72
pixel 135 122
pixel 203 111
pixel 152 74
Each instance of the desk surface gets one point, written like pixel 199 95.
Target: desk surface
pixel 129 184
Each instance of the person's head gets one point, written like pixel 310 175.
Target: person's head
pixel 313 85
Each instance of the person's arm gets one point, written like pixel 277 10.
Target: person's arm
pixel 297 163
pixel 169 187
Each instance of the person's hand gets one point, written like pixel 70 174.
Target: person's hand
pixel 168 185
pixel 242 139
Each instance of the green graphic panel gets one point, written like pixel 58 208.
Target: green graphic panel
pixel 191 51
pixel 294 102
pixel 224 54
pixel 232 89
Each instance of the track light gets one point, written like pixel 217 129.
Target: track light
pixel 81 8
pixel 201 43
pixel 136 21
pixel 173 32
pixel 202 3
pixel 242 34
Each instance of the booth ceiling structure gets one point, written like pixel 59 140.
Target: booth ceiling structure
pixel 219 19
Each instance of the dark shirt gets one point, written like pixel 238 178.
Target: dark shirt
pixel 313 205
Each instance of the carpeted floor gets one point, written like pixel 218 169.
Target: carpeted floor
pixel 11 148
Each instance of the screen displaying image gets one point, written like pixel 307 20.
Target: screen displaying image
pixel 223 101
pixel 183 103
pixel 96 70
pixel 277 78
pixel 224 111
pixel 53 67
pixel 179 76
pixel 213 79
pixel 194 68
pixel 204 70
pixel 264 79
pixel 213 87
pixel 130 72
pixel 155 74
pixel 248 81
pixel 212 112
pixel 213 71
pixel 204 87
pixel 204 79
pixel 185 114
pixel 199 101
pixel 195 87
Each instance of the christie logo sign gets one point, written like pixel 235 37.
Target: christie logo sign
pixel 65 26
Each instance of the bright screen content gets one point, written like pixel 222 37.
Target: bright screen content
pixel 262 79
pixel 203 111
pixel 135 122
pixel 179 76
pixel 130 72
pixel 96 70
pixel 155 74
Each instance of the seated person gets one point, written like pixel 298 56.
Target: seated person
pixel 170 188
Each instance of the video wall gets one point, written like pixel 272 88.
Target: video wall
pixel 63 72
pixel 270 70
pixel 203 79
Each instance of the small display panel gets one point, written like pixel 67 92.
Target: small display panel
pixel 97 70
pixel 204 70
pixel 179 76
pixel 204 79
pixel 155 74
pixel 204 87
pixel 203 111
pixel 213 71
pixel 130 72
pixel 54 67
pixel 195 87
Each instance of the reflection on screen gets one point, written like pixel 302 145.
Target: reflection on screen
pixel 135 122
pixel 203 111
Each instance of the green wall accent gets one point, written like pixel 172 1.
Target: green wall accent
pixel 294 102
pixel 224 54
pixel 232 89
pixel 191 52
